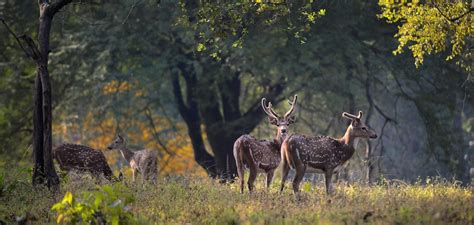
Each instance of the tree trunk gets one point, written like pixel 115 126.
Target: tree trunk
pixel 42 119
pixel 190 114
pixel 43 42
pixel 369 153
pixel 461 168
pixel 223 127
pixel 38 168
pixel 221 137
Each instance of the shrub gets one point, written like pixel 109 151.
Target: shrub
pixel 109 204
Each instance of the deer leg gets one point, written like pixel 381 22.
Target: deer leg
pixel 269 178
pixel 239 163
pixel 154 174
pixel 144 175
pixel 134 174
pixel 240 172
pixel 252 176
pixel 300 170
pixel 284 174
pixel 328 178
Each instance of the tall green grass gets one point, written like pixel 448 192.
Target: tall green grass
pixel 197 200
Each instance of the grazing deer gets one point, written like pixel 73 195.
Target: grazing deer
pixel 323 154
pixel 83 159
pixel 143 161
pixel 261 155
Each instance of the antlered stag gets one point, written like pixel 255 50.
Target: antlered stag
pixel 323 154
pixel 261 155
pixel 84 159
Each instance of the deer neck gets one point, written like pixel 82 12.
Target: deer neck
pixel 279 139
pixel 126 153
pixel 349 139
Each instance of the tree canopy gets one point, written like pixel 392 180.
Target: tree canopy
pixel 186 78
pixel 431 27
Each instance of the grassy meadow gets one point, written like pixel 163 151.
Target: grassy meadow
pixel 198 200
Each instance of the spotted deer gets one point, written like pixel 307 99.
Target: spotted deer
pixel 143 161
pixel 322 154
pixel 83 159
pixel 261 155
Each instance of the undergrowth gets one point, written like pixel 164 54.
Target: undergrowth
pixel 197 200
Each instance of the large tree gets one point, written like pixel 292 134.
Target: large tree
pixel 43 170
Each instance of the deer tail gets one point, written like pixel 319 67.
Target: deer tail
pixel 239 157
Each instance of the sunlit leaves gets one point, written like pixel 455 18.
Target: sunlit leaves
pixel 432 27
pixel 218 22
pixel 109 203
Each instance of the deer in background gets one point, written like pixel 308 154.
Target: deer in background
pixel 143 161
pixel 261 155
pixel 322 154
pixel 84 159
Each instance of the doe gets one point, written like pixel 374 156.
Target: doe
pixel 84 159
pixel 143 161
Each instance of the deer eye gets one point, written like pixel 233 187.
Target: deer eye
pixel 364 128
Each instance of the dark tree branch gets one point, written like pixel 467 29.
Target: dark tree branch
pixel 454 19
pixel 182 108
pixel 135 3
pixel 55 7
pixel 16 38
pixel 190 115
pixel 155 132
pixel 35 53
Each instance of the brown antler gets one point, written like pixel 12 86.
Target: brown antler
pixel 268 109
pixel 292 109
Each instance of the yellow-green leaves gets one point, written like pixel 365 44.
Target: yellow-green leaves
pixel 201 47
pixel 313 15
pixel 61 207
pixel 431 28
pixel 220 23
pixel 67 198
pixel 109 203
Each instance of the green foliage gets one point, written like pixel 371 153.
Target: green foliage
pixel 218 23
pixel 196 200
pixel 7 187
pixel 111 204
pixel 432 27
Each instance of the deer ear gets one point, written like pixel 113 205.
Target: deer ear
pixel 292 119
pixel 355 122
pixel 346 115
pixel 272 121
pixel 360 115
pixel 120 137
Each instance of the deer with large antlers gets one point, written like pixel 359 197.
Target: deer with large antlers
pixel 261 155
pixel 322 154
pixel 143 161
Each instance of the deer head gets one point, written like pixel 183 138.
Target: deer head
pixel 118 143
pixel 281 122
pixel 357 128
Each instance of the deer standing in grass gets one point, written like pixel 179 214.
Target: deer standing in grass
pixel 143 161
pixel 322 154
pixel 261 155
pixel 83 159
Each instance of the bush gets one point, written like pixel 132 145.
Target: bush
pixel 110 204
